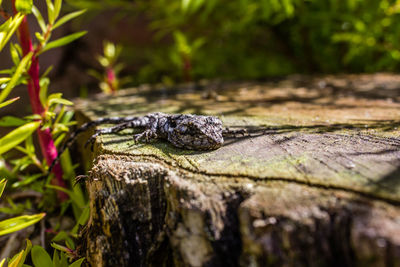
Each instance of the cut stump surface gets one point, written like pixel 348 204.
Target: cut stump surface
pixel 315 182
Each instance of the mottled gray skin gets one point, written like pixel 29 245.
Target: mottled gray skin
pixel 186 131
pixel 189 131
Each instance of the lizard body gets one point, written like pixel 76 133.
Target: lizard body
pixel 187 131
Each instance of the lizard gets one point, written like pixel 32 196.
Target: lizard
pixel 187 131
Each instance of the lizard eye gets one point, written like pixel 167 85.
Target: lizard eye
pixel 173 124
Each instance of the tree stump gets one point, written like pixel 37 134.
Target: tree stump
pixel 315 182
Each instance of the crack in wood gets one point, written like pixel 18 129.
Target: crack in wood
pixel 369 195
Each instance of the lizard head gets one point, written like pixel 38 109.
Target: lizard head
pixel 195 132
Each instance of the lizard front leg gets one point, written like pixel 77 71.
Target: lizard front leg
pixel 149 121
pixel 148 135
pixel 151 129
pixel 114 129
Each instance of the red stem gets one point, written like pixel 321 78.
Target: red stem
pixel 111 79
pixel 46 141
pixel 187 68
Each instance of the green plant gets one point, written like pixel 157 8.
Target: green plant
pixel 109 79
pixel 17 223
pixel 254 39
pixel 49 126
pixel 25 56
pixel 39 255
pixel 183 53
pixel 19 159
pixel 40 258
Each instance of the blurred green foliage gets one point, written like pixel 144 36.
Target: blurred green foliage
pixel 109 80
pixel 257 38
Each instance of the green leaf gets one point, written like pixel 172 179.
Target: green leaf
pixel 59 259
pixel 24 6
pixel 39 37
pixel 109 49
pixel 182 42
pixel 47 71
pixel 8 102
pixel 39 18
pixel 60 115
pixel 18 223
pixel 33 117
pixel 79 202
pixel 63 41
pixel 44 85
pixel 14 79
pixel 48 116
pixel 59 128
pixel 63 260
pixel 68 17
pixel 67 118
pixel 27 180
pixel 56 259
pixel 8 28
pixel 17 260
pixel 54 96
pixel 40 257
pixel 14 54
pixel 21 256
pixel 50 11
pixel 105 62
pixel 83 218
pixel 61 248
pixel 6 71
pixel 4 80
pixel 95 74
pixel 18 48
pixel 185 5
pixel 60 101
pixel 3 183
pixel 3 36
pixel 77 263
pixel 11 121
pixel 59 140
pixel 62 235
pixel 70 243
pixel 57 8
pixel 196 5
pixel 198 43
pixel 17 136
pixel 57 99
pixel 29 146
